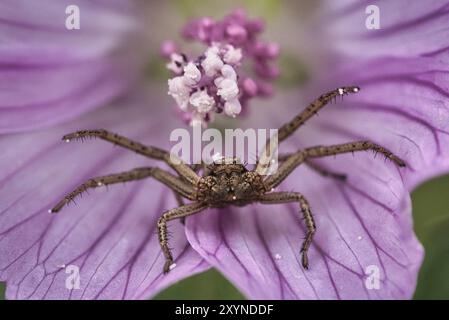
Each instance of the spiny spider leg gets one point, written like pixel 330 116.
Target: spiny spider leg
pixel 180 202
pixel 148 151
pixel 312 109
pixel 172 214
pixel 284 197
pixel 316 167
pixel 287 129
pixel 322 151
pixel 166 178
pixel 179 199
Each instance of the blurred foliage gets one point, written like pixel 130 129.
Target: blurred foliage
pixel 266 8
pixel 208 285
pixel 431 219
pixel 293 72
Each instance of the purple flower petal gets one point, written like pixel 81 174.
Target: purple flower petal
pixel 364 223
pixel 402 69
pixel 110 235
pixel 406 28
pixel 406 101
pixel 49 73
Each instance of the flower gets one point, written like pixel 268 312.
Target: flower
pixel 217 70
pixel 202 101
pixel 363 224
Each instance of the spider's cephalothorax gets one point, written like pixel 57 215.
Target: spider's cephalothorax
pixel 227 181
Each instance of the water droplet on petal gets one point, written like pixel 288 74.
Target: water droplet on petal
pixel 172 266
pixel 359 238
pixel 277 256
pixel 67 140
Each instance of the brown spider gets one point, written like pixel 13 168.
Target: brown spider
pixel 228 182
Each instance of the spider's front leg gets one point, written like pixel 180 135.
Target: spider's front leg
pixel 178 197
pixel 302 156
pixel 179 186
pixel 177 164
pixel 172 214
pixel 290 127
pixel 285 197
pixel 317 168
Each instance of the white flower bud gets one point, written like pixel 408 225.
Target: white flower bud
pixel 202 101
pixel 227 88
pixel 232 55
pixel 228 72
pixel 232 107
pixel 192 74
pixel 179 91
pixel 176 63
pixel 212 63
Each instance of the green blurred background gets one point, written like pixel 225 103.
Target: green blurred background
pixel 430 200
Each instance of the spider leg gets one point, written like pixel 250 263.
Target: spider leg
pixel 317 168
pixel 285 197
pixel 148 151
pixel 179 186
pixel 285 169
pixel 312 109
pixel 179 199
pixel 172 214
pixel 180 202
pixel 323 151
pixel 197 167
pixel 290 127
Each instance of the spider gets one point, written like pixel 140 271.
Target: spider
pixel 227 181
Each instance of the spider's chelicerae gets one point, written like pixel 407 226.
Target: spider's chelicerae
pixel 228 182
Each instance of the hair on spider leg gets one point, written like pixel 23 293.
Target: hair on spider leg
pixel 169 235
